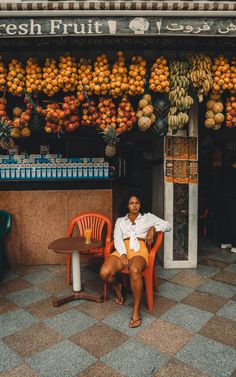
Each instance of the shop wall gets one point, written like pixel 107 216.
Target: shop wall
pixel 39 217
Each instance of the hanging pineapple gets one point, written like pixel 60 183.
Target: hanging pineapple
pixel 111 139
pixel 6 141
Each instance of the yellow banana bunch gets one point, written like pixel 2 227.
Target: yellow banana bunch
pixel 177 121
pixel 200 74
pixel 180 101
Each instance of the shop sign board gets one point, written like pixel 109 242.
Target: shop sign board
pixel 120 26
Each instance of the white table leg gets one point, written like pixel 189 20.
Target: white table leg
pixel 76 271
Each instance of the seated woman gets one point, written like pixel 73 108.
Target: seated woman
pixel 131 234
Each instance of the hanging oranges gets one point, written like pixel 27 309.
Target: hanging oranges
pixel 34 76
pixel 100 84
pixel 67 76
pixel 16 78
pixel 50 80
pixel 159 80
pixel 85 76
pixel 221 74
pixel 3 75
pixel 118 77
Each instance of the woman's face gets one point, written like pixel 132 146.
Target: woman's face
pixel 134 205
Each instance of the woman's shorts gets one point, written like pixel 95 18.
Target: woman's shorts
pixel 143 251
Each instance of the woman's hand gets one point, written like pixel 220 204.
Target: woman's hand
pixel 124 261
pixel 150 235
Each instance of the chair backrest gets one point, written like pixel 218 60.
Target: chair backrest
pixel 5 223
pixel 94 220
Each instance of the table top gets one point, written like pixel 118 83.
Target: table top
pixel 67 245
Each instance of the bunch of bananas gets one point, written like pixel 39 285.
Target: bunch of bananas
pixel 180 101
pixel 200 74
pixel 177 120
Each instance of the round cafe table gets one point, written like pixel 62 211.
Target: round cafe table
pixel 75 246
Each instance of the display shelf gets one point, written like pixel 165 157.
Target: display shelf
pixel 62 184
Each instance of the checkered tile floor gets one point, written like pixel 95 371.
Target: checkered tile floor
pixel 191 332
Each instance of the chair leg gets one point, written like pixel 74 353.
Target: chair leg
pixel 68 268
pixel 149 292
pixel 125 282
pixel 105 292
pixel 155 280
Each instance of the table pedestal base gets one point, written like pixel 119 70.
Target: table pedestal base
pixel 57 301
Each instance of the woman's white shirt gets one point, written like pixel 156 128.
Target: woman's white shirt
pixel 124 228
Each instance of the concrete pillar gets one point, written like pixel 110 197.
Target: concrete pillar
pixel 184 234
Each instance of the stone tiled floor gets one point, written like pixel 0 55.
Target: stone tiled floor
pixel 191 332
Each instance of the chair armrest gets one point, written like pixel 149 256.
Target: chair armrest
pixel 156 247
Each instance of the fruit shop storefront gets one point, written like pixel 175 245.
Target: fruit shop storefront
pixel 100 97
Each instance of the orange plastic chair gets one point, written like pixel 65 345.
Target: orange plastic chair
pixel 149 273
pixel 96 221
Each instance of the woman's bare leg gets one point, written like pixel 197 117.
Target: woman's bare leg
pixel 136 266
pixel 108 271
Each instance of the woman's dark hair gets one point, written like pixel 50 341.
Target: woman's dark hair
pixel 139 195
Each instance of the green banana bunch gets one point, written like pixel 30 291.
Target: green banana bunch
pixel 200 74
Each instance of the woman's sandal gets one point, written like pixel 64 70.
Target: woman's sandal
pixel 119 300
pixel 135 323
